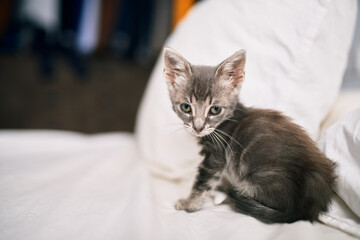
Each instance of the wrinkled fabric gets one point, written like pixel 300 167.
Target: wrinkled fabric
pixel 65 185
pixel 341 143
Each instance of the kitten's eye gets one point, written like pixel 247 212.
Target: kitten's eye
pixel 215 110
pixel 185 108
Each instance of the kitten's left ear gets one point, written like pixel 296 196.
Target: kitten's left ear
pixel 231 70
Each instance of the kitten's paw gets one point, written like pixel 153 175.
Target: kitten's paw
pixel 181 204
pixel 185 204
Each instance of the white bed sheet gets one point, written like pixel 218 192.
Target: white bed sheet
pixel 65 185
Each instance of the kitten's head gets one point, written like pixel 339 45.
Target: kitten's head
pixel 203 96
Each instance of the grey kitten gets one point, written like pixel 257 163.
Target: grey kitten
pixel 266 165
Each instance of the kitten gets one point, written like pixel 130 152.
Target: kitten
pixel 266 165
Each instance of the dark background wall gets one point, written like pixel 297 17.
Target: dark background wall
pixel 105 99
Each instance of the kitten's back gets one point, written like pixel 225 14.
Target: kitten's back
pixel 287 176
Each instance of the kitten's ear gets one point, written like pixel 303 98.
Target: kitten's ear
pixel 177 70
pixel 231 70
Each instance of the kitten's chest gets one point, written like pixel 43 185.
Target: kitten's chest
pixel 220 146
pixel 213 145
pixel 226 159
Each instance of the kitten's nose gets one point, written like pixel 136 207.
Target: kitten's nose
pixel 198 129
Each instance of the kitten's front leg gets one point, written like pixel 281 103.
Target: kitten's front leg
pixel 206 178
pixel 191 204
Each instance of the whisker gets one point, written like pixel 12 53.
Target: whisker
pixel 232 153
pixel 212 138
pixel 219 143
pixel 231 138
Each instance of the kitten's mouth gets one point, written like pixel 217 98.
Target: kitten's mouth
pixel 201 133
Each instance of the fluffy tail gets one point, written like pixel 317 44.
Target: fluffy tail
pixel 249 206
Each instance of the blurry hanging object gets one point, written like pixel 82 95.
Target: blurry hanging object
pixel 131 38
pixel 70 23
pixel 71 15
pixel 42 20
pixel 109 12
pixel 161 24
pixel 142 50
pixel 8 26
pixel 87 37
pixel 43 13
pixel 180 8
pixel 5 15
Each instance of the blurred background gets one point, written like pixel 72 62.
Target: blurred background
pixel 79 65
pixel 83 65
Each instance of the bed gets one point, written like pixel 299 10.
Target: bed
pixel 68 185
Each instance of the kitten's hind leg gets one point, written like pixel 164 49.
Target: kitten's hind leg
pixel 206 179
pixel 218 197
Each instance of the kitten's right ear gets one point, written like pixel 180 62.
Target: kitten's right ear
pixel 177 70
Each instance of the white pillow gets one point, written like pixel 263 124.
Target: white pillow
pixel 296 56
pixel 341 143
